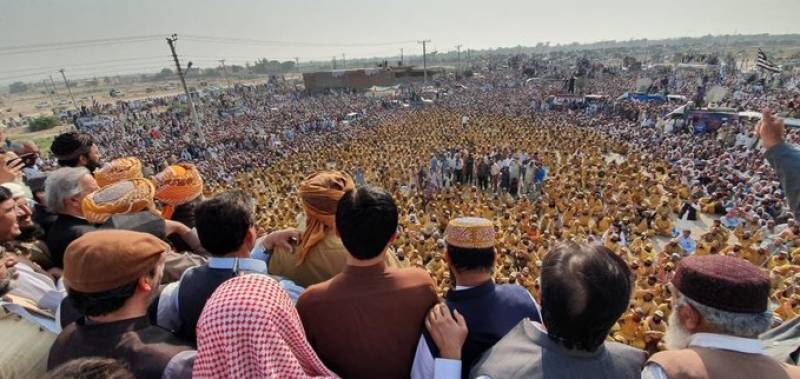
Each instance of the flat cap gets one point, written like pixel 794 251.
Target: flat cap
pixel 107 259
pixel 470 233
pixel 726 283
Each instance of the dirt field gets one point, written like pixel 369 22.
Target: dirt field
pixel 11 106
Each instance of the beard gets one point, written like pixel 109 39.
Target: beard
pixel 676 337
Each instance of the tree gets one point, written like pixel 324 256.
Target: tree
pixel 42 123
pixel 17 87
pixel 164 73
pixel 287 66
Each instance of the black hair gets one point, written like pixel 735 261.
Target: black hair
pixel 102 303
pixel 66 144
pixel 5 194
pixel 465 259
pixel 584 289
pixel 223 221
pixel 90 368
pixel 366 220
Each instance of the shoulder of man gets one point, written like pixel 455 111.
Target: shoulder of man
pixel 685 361
pixel 314 293
pixel 411 274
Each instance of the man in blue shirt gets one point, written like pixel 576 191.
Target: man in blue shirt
pixel 490 310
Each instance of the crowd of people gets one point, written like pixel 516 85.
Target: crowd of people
pixel 497 233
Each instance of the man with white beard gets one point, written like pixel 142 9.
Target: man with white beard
pixel 720 306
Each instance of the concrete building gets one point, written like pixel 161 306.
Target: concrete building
pixel 364 79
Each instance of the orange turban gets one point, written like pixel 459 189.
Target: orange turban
pixel 321 193
pixel 176 185
pixel 127 196
pixel 117 170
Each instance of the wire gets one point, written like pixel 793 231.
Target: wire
pixel 247 41
pixel 90 41
pixel 87 64
pixel 74 46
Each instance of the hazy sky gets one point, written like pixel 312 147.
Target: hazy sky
pixel 359 28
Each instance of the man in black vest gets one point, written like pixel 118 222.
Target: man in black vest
pixel 226 230
pixel 490 310
pixel 112 277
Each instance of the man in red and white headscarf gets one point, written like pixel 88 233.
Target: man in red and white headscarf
pixel 250 329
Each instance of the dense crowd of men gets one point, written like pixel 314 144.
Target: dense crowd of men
pixel 500 232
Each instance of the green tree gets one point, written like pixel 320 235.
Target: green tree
pixel 42 123
pixel 17 87
pixel 164 73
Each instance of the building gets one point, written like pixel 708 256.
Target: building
pixel 364 79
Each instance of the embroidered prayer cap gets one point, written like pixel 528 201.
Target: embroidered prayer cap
pixel 127 196
pixel 726 283
pixel 117 170
pixel 470 233
pixel 103 260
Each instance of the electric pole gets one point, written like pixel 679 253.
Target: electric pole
pixel 297 64
pixel 401 56
pixel 225 72
pixel 458 67
pixel 424 62
pixel 75 104
pixel 171 42
pixel 49 94
pixel 53 83
pixel 344 62
pixel 333 63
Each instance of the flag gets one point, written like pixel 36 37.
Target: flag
pixel 765 64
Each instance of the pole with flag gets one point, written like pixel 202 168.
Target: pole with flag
pixel 763 63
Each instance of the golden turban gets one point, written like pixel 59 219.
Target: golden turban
pixel 118 169
pixel 127 196
pixel 320 194
pixel 176 185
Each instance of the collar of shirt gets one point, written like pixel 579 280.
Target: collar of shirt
pixel 365 270
pixel 726 342
pixel 238 264
pixel 459 288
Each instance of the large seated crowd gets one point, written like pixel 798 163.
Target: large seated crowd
pixel 497 233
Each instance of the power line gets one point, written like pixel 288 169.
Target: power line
pixel 50 44
pixel 62 46
pixel 246 41
pixel 87 64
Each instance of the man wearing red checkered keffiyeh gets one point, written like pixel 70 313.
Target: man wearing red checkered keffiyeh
pixel 250 329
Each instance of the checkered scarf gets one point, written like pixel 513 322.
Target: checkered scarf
pixel 250 329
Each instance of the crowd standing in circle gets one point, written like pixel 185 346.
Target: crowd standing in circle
pixel 501 232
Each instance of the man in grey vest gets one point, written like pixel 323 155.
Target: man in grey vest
pixel 226 228
pixel 584 290
pixel 720 306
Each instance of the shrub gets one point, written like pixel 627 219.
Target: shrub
pixel 43 123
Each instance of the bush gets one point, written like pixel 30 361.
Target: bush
pixel 17 87
pixel 43 123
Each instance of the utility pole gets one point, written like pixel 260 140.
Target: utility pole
pixel 171 42
pixel 225 72
pixel 344 62
pixel 401 56
pixel 49 94
pixel 297 64
pixel 458 67
pixel 424 62
pixel 333 63
pixel 75 104
pixel 53 83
